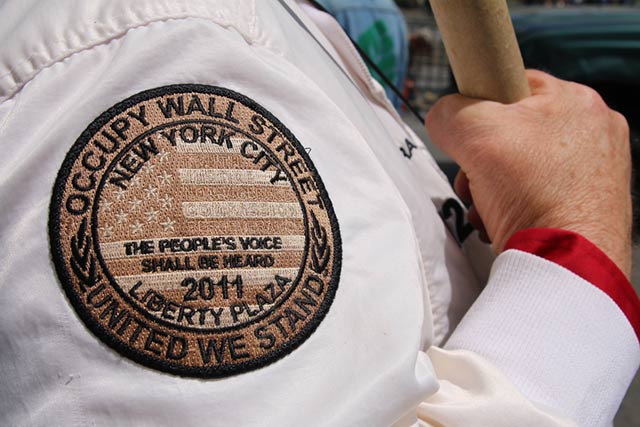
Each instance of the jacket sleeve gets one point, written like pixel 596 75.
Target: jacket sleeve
pixel 558 321
pixel 363 364
pixel 358 367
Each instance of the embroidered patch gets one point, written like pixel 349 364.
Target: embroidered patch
pixel 192 233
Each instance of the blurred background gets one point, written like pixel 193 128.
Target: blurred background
pixel 594 42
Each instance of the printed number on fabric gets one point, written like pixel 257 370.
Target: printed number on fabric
pixel 192 233
pixel 454 216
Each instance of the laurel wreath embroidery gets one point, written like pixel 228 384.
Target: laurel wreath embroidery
pixel 82 262
pixel 320 250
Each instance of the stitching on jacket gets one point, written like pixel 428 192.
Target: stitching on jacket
pixel 4 120
pixel 19 85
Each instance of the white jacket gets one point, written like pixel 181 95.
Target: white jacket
pixel 355 224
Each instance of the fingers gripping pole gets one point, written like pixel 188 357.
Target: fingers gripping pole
pixel 482 49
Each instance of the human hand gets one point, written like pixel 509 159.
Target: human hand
pixel 558 159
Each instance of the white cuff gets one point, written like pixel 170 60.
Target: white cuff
pixel 561 341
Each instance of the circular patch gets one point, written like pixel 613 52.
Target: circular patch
pixel 192 233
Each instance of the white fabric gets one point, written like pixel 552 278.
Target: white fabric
pixel 474 393
pixel 568 332
pixel 48 354
pixel 405 283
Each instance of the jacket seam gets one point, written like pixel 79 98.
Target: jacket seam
pixel 120 35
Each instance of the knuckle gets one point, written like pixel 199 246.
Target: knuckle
pixel 619 134
pixel 539 79
pixel 621 123
pixel 548 108
pixel 590 98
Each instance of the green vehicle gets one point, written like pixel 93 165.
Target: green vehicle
pixel 598 46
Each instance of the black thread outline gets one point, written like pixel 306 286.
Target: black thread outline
pixel 97 329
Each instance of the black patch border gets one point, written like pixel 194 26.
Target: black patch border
pixel 137 356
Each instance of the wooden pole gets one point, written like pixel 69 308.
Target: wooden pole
pixel 482 49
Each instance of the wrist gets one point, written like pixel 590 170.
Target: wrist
pixel 610 240
pixel 616 246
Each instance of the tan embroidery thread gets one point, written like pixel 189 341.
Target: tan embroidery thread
pixel 192 233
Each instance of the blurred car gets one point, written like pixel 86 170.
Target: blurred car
pixel 596 46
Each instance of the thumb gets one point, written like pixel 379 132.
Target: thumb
pixel 457 124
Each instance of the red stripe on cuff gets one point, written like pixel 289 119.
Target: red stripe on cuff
pixel 578 255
